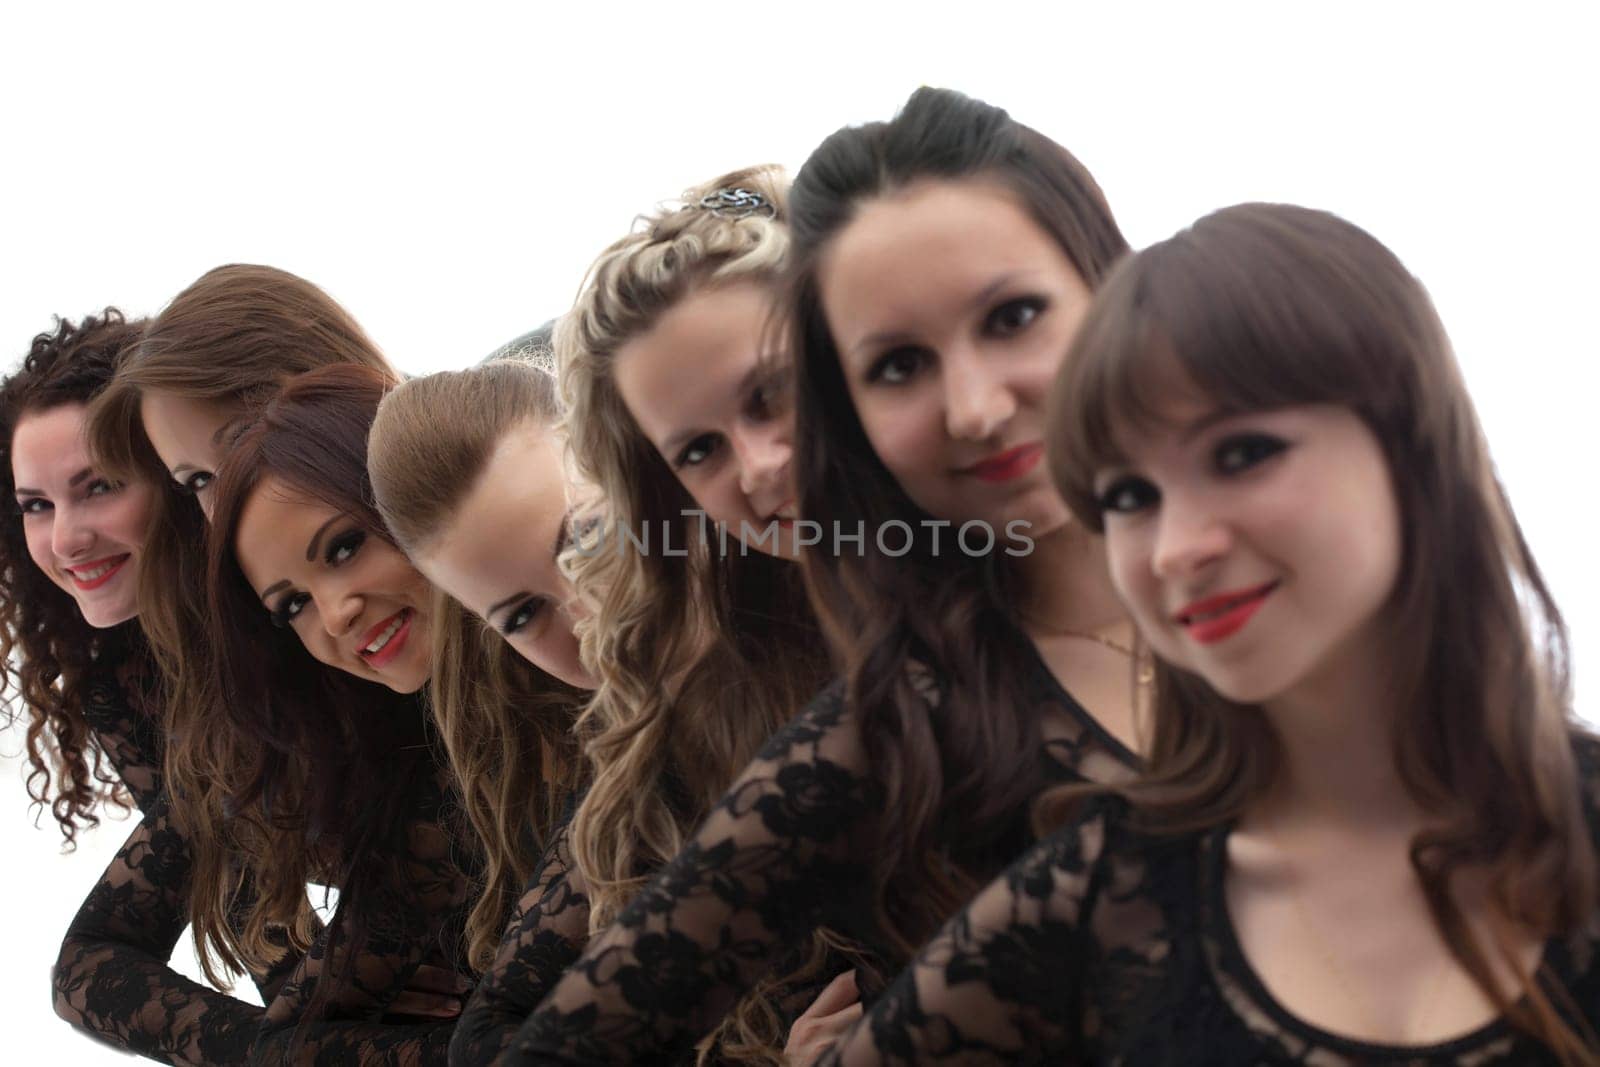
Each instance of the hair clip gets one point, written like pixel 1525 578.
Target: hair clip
pixel 737 204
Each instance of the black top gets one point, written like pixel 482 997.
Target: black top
pixel 112 980
pixel 786 850
pixel 1105 945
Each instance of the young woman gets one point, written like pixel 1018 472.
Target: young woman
pixel 337 781
pixel 183 865
pixel 1369 828
pixel 699 652
pixel 942 261
pixel 69 565
pixel 85 673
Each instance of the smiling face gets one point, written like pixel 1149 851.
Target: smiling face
pixel 951 311
pixel 498 556
pixel 190 437
pixel 83 530
pixel 703 389
pixel 1255 550
pixel 353 599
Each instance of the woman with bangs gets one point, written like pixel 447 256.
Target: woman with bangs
pixel 699 649
pixel 1368 829
pixel 941 262
pixel 226 343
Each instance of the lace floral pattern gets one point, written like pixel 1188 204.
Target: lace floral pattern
pixel 111 977
pixel 1102 945
pixel 784 851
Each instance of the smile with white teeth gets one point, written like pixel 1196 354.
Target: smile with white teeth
pixel 388 632
pixel 96 572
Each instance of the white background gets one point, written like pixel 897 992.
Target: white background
pixel 449 176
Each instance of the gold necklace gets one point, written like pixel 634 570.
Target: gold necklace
pixel 1138 654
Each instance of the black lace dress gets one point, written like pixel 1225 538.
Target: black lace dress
pixel 111 977
pixel 1103 945
pixel 786 850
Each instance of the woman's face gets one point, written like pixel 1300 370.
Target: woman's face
pixel 190 436
pixel 353 599
pixel 951 311
pixel 711 398
pixel 498 555
pixel 1255 550
pixel 83 530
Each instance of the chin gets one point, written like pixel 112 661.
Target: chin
pixel 103 617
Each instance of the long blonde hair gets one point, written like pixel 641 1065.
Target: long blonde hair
pixel 505 724
pixel 699 658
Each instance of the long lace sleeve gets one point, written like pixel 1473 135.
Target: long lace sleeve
pixel 1000 982
pixel 414 918
pixel 111 978
pixel 546 934
pixel 129 737
pixel 780 853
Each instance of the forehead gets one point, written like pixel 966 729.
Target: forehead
pixel 49 445
pixel 506 524
pixel 275 526
pixel 693 359
pixel 918 246
pixel 183 424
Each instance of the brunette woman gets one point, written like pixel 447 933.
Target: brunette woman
pixel 941 264
pixel 337 781
pixel 1369 828
pixel 84 671
pixel 226 342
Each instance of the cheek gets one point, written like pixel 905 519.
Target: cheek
pixel 132 516
pixel 902 429
pixel 37 534
pixel 1128 551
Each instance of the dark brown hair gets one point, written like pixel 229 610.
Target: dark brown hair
pixel 1264 306
pixel 48 653
pixel 958 777
pixel 231 338
pixel 325 764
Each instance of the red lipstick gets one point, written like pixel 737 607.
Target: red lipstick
pixel 116 562
pixel 395 645
pixel 1008 465
pixel 1218 617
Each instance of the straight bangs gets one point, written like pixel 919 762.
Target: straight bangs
pixel 1242 317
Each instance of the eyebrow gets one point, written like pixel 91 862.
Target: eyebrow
pixel 887 338
pixel 273 588
pixel 72 482
pixel 316 538
pixel 1205 422
pixel 216 438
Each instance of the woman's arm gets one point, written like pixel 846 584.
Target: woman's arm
pixel 784 849
pixel 545 936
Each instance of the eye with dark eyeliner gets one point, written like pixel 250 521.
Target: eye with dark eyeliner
pixel 696 452
pixel 523 614
pixel 342 549
pixel 896 365
pixel 34 505
pixel 287 609
pixel 193 483
pixel 1013 316
pixel 101 487
pixel 1127 494
pixel 1241 451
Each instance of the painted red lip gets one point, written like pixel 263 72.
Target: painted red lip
pixel 1009 465
pixel 96 583
pixel 386 655
pixel 1217 617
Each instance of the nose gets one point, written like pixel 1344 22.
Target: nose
pixel 1189 538
pixel 337 607
pixel 70 537
pixel 764 453
pixel 977 402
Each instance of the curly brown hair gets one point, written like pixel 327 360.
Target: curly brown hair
pixel 48 653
